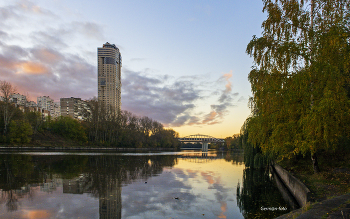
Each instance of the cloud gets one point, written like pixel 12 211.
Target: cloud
pixel 3 35
pixel 137 59
pixel 210 117
pixel 225 101
pixel 148 95
pixel 32 8
pixel 88 29
pixel 17 19
pixel 42 71
pixel 46 55
pixel 33 68
pixel 7 13
pixel 227 78
pixel 38 60
pixel 48 38
pixel 173 101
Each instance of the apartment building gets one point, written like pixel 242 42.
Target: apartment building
pixel 45 102
pixel 75 108
pixel 109 61
pixel 18 99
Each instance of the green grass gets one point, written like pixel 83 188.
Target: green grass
pixel 333 180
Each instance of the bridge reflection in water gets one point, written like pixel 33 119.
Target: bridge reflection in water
pixel 199 158
pixel 204 139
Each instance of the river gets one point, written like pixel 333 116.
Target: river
pixel 186 184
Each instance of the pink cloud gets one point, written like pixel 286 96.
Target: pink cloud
pixel 47 55
pixel 210 117
pixel 227 78
pixel 32 68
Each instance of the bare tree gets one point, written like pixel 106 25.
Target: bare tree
pixel 6 90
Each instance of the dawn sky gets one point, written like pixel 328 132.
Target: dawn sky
pixel 184 62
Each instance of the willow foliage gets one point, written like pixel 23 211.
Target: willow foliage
pixel 300 82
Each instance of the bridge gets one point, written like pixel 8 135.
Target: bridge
pixel 204 139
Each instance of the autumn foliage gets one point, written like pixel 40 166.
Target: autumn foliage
pixel 301 79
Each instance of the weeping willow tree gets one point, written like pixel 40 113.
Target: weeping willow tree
pixel 300 81
pixel 253 156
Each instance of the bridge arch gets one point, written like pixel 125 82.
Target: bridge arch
pixel 204 139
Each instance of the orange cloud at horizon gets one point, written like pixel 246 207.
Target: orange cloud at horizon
pixel 32 68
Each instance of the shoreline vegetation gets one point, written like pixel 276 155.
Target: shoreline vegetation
pixel 300 108
pixel 102 127
pixel 70 133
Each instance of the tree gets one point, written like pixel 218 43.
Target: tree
pixel 20 131
pixel 300 83
pixel 228 141
pixel 35 120
pixel 6 90
pixel 69 128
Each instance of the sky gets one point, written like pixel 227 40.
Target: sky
pixel 184 62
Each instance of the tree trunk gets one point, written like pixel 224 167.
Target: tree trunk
pixel 315 163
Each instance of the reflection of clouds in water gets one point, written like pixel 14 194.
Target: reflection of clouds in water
pixel 37 214
pixel 192 173
pixel 202 189
pixel 208 177
pixel 156 199
pixel 223 210
pixel 158 196
pixel 55 204
pixel 214 182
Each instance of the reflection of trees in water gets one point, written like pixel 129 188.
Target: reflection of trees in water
pixel 236 158
pixel 102 176
pixel 14 171
pixel 258 191
pixel 119 170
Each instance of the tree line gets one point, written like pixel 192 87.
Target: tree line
pixel 300 81
pixel 103 126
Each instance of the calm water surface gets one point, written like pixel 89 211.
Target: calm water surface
pixel 185 184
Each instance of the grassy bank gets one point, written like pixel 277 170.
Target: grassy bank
pixel 333 180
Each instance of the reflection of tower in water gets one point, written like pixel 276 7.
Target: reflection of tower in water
pixel 109 192
pixel 110 203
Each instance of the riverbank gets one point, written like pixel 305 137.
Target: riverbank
pixel 334 208
pixel 330 189
pixel 78 148
pixel 44 141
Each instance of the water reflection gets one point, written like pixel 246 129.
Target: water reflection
pixel 183 185
pixel 101 176
pixel 258 196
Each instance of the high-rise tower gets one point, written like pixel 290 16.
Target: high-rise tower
pixel 109 61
